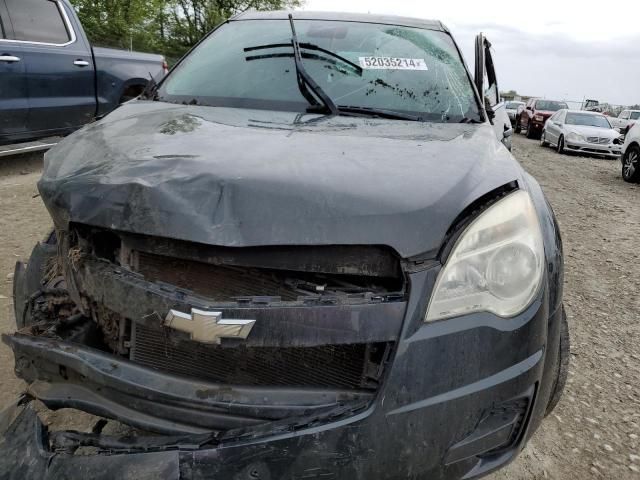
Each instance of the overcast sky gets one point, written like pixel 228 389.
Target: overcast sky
pixel 561 49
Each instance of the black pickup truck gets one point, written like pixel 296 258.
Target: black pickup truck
pixel 52 81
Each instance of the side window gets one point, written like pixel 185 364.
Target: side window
pixel 37 21
pixel 491 92
pixel 625 115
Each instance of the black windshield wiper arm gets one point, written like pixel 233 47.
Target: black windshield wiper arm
pixel 378 112
pixel 305 81
pixel 309 46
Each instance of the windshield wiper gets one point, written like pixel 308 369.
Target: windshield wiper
pixel 470 120
pixel 309 46
pixel 377 112
pixel 305 81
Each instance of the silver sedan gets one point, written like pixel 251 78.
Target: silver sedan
pixel 582 132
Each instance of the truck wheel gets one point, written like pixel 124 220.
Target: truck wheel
pixel 562 370
pixel 561 145
pixel 131 92
pixel 517 128
pixel 631 165
pixel 530 133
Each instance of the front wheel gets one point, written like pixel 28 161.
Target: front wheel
pixel 529 131
pixel 631 165
pixel 561 145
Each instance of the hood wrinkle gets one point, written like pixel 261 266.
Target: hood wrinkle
pixel 228 182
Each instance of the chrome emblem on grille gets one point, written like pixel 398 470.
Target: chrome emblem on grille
pixel 208 327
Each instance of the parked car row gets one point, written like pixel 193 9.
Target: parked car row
pixel 581 131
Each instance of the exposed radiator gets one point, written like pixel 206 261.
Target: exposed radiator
pixel 331 366
pixel 214 281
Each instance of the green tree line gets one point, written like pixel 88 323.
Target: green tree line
pixel 170 27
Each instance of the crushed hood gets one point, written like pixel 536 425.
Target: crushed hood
pixel 237 177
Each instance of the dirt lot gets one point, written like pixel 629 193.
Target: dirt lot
pixel 594 433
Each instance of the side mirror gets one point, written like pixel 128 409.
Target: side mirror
pixel 618 129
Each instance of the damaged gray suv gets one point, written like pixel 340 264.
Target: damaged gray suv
pixel 307 253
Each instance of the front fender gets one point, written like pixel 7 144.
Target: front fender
pixel 552 242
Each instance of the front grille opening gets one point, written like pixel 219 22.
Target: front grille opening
pixel 350 367
pixel 224 274
pixel 225 283
pixel 105 245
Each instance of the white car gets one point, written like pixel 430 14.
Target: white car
pixel 625 120
pixel 582 132
pixel 631 155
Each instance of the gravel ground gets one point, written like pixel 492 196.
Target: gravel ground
pixel 594 432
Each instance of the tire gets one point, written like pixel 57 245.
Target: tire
pixel 560 147
pixel 130 93
pixel 518 127
pixel 631 165
pixel 562 368
pixel 529 131
pixel 543 141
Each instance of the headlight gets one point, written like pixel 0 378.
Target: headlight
pixel 574 137
pixel 538 118
pixel 496 266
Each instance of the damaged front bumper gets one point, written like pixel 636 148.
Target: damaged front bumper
pixel 481 392
pixel 66 375
pixel 453 399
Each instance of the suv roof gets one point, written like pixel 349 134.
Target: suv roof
pixel 344 17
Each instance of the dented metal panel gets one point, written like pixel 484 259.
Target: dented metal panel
pixel 338 181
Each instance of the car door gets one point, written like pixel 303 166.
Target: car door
pixel 14 102
pixel 58 65
pixel 487 84
pixel 552 127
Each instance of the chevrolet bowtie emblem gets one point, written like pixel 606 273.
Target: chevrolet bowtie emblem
pixel 208 327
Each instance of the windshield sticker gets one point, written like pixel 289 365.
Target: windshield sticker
pixel 393 63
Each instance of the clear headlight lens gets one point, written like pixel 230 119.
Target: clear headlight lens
pixel 496 265
pixel 538 118
pixel 574 137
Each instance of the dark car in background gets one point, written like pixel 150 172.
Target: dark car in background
pixel 52 81
pixel 307 254
pixel 535 115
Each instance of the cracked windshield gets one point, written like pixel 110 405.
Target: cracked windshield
pixel 409 70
